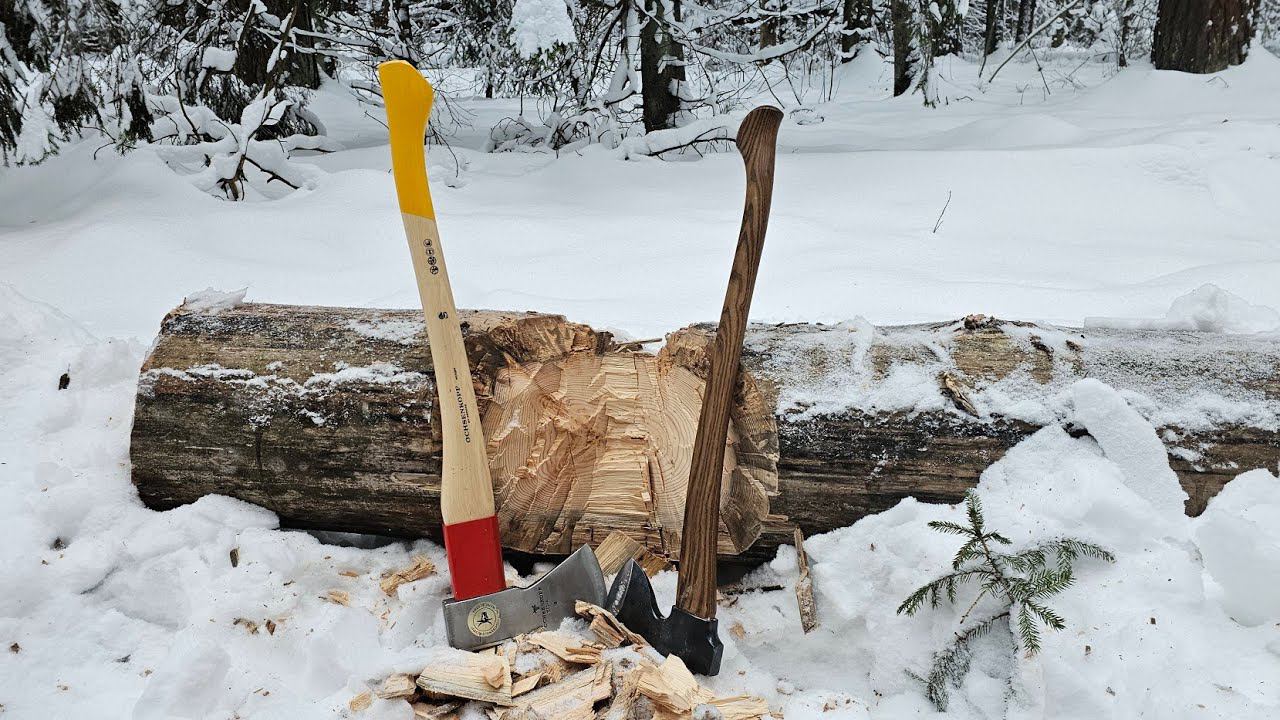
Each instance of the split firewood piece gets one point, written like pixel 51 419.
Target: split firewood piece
pixel 436 711
pixel 553 668
pixel 740 707
pixel 568 647
pixel 393 579
pixel 398 686
pixel 360 702
pixel 804 587
pixel 474 676
pixel 525 684
pixel 627 701
pixel 619 547
pixel 573 698
pixel 672 687
pixel 606 627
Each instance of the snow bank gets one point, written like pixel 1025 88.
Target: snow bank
pixel 1239 537
pixel 1143 637
pixel 1208 308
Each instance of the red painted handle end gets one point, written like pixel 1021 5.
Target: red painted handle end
pixel 475 557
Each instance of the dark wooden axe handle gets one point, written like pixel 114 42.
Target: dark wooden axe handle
pixel 757 139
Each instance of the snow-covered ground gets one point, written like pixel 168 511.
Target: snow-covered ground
pixel 1107 199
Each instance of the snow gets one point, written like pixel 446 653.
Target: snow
pixel 1239 537
pixel 219 59
pixel 405 332
pixel 539 24
pixel 212 301
pixel 1208 308
pixel 1130 442
pixel 1108 200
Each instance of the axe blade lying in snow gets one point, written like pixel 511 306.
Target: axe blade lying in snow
pixel 487 620
pixel 693 639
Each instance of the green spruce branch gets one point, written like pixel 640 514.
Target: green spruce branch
pixel 1022 583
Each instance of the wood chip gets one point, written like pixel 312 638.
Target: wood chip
pixel 672 687
pixel 525 684
pixel 337 596
pixel 606 627
pixel 398 686
pixel 567 647
pixel 360 702
pixel 740 707
pixel 436 711
pixel 474 676
pixel 393 579
pixel 618 548
pixel 804 587
pixel 349 573
pixel 573 698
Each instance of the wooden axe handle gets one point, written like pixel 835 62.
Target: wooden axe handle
pixel 466 492
pixel 757 139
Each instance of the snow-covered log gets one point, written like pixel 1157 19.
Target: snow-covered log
pixel 326 416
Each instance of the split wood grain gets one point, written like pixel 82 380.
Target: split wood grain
pixel 475 676
pixel 804 587
pixel 618 547
pixel 573 698
pixel 397 686
pixel 607 627
pixel 569 648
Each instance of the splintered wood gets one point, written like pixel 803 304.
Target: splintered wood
pixel 474 676
pixel 393 579
pixel 619 547
pixel 567 647
pixel 593 440
pixel 564 676
pixel 607 628
pixel 804 587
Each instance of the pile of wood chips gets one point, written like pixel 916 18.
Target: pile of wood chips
pixel 555 675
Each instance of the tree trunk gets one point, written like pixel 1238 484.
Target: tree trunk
pixel 1026 19
pixel 857 22
pixel 945 33
pixel 769 28
pixel 902 21
pixel 661 66
pixel 1202 36
pixel 302 70
pixel 327 417
pixel 995 18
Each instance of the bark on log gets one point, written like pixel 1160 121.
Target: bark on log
pixel 326 416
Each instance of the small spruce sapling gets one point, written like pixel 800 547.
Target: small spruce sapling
pixel 1020 582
